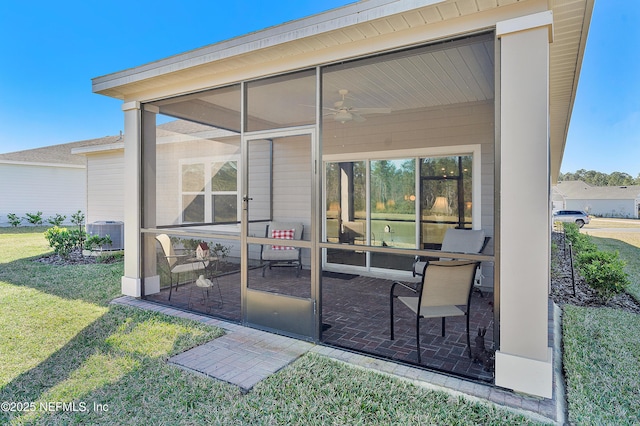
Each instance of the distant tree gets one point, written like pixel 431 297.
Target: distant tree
pixel 620 179
pixel 595 178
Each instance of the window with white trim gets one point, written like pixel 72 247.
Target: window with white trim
pixel 209 191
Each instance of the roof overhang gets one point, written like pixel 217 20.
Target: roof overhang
pixel 88 150
pixel 42 164
pixel 361 29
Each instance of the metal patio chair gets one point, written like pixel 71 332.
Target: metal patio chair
pixel 178 263
pixel 276 254
pixel 446 286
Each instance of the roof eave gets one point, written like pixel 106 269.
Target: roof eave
pixel 356 13
pixel 556 163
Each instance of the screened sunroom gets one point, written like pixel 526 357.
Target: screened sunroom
pixel 375 157
pixel 289 178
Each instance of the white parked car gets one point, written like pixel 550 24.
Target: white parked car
pixel 578 217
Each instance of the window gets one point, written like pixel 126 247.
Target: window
pixel 224 191
pixel 193 193
pixel 446 189
pixel 210 192
pixel 402 201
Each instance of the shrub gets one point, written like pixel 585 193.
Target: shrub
pixel 96 241
pixel 604 271
pixel 34 218
pixel 110 257
pixel 14 220
pixel 580 242
pixel 56 220
pixel 62 240
pixel 78 220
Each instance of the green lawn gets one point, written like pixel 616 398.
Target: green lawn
pixel 602 365
pixel 602 345
pixel 62 343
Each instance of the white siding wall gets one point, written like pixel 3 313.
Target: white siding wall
pixel 259 184
pixel 105 191
pixel 292 181
pixel 31 188
pixel 605 208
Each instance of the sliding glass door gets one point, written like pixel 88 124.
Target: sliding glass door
pixel 397 202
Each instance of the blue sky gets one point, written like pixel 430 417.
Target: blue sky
pixel 52 50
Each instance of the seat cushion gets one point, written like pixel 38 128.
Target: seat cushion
pixel 279 255
pixel 431 311
pixel 189 267
pixel 463 241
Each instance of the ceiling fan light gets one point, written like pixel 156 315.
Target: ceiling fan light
pixel 343 116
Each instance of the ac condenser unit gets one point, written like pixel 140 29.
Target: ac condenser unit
pixel 115 231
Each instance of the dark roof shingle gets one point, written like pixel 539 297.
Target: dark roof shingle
pixel 57 154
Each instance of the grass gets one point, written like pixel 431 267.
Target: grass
pixel 62 343
pixel 602 345
pixel 602 361
pixel 602 222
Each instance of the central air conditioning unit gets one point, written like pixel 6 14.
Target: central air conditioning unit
pixel 115 231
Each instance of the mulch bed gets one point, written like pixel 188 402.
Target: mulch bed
pixel 562 289
pixel 75 258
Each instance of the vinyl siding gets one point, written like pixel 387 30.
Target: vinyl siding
pixel 605 208
pixel 105 192
pixel 31 188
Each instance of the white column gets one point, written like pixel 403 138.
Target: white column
pixel 131 281
pixel 524 361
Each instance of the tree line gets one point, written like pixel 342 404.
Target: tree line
pixel 601 179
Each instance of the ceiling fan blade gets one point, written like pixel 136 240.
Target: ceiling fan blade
pixel 357 117
pixel 373 110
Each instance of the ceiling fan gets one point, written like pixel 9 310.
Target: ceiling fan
pixel 343 111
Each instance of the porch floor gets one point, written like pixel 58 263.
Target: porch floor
pixel 355 316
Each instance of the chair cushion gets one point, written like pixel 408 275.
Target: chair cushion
pixel 463 241
pixel 189 267
pixel 283 234
pixel 431 311
pixel 279 255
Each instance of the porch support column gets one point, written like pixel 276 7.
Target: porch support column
pixel 524 361
pixel 132 281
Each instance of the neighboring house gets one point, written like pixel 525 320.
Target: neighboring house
pixel 603 201
pixel 105 179
pixel 464 103
pixel 51 180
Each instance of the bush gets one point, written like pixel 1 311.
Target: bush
pixel 63 241
pixel 604 271
pixel 110 257
pixel 96 241
pixel 14 220
pixel 56 220
pixel 34 218
pixel 78 218
pixel 580 242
